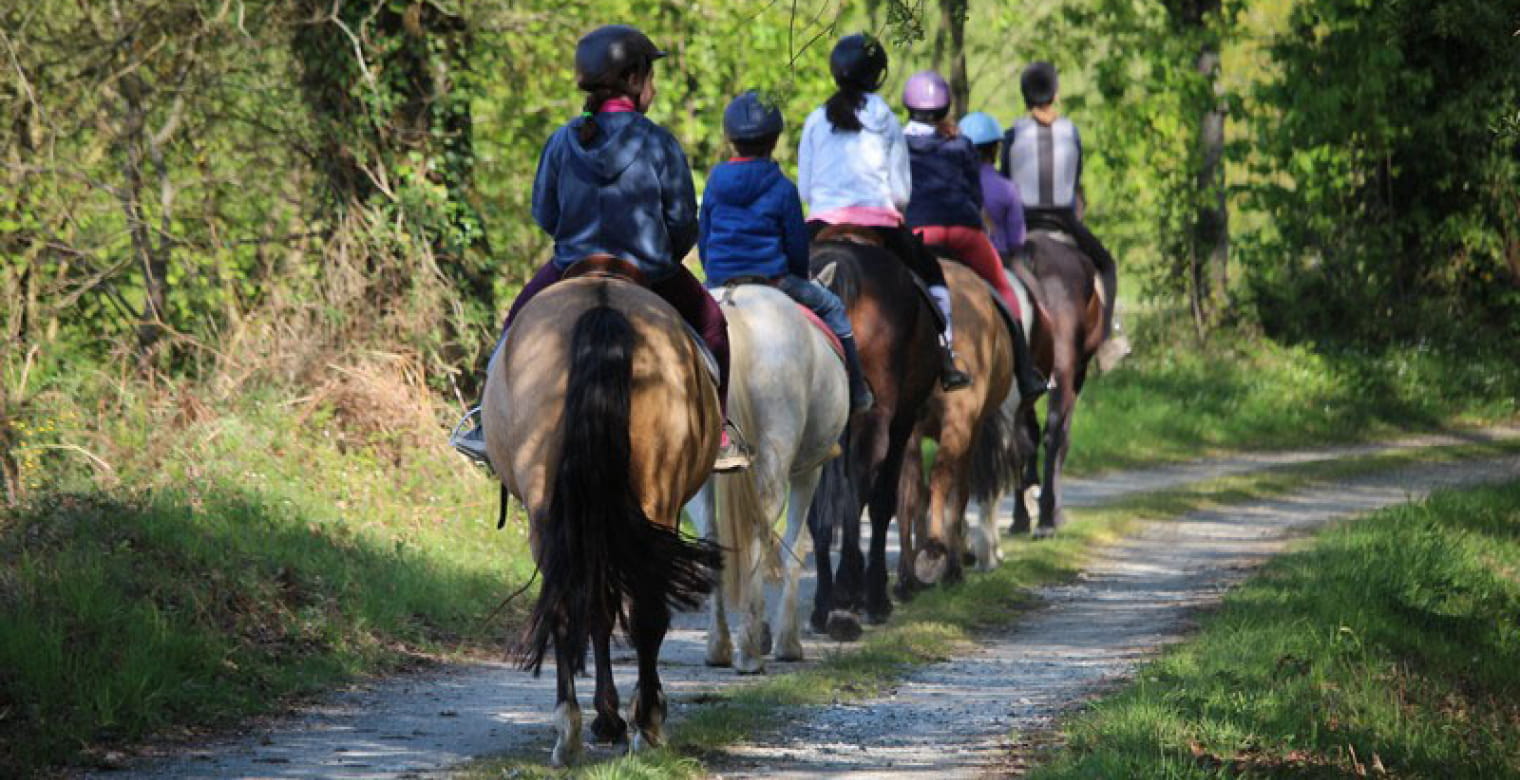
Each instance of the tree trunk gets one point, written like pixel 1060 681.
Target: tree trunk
pixel 1213 215
pixel 953 19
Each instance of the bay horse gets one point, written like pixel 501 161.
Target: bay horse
pixel 932 542
pixel 1069 330
pixel 790 396
pixel 896 332
pixel 601 417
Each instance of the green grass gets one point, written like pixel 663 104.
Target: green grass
pixel 227 563
pixel 1392 641
pixel 940 621
pixel 1172 401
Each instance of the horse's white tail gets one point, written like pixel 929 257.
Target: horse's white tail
pixel 742 522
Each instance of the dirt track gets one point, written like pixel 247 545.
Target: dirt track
pixel 947 719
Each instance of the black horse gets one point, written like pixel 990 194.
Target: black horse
pixel 896 333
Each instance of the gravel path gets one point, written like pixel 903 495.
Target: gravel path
pixel 956 719
pixel 947 718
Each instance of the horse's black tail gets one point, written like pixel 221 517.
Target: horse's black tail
pixel 996 459
pixel 597 548
pixel 837 497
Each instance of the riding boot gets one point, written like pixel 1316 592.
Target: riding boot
pixel 950 376
pixel 1032 384
pixel 861 397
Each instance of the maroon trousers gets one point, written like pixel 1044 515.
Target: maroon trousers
pixel 682 291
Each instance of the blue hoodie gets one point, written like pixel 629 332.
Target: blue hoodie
pixel 751 223
pixel 630 194
pixel 947 180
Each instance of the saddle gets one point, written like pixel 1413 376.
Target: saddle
pixel 851 234
pixel 726 298
pixel 605 266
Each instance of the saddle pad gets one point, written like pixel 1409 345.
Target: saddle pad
pixel 823 328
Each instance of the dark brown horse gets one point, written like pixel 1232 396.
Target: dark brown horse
pixel 896 333
pixel 601 417
pixel 1069 330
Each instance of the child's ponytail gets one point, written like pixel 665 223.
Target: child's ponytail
pixel 843 109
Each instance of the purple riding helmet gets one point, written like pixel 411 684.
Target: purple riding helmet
pixel 926 91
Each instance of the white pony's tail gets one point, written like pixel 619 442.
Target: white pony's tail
pixel 743 529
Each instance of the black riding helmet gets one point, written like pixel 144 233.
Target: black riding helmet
pixel 751 117
pixel 859 61
pixel 1038 83
pixel 606 55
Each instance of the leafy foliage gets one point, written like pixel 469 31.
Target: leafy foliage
pixel 1390 191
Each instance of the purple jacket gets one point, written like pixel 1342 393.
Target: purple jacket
pixel 1003 209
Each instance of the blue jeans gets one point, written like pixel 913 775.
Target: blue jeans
pixel 821 300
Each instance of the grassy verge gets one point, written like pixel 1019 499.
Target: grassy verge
pixel 1390 647
pixel 934 625
pixel 216 564
pixel 1172 401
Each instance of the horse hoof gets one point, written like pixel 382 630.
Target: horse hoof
pixel 930 565
pixel 609 730
pixel 789 651
pixel 819 622
pixel 749 666
pixel 1044 532
pixel 844 627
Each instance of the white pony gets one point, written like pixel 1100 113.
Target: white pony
pixel 789 394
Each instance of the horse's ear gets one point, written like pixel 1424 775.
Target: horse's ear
pixel 825 275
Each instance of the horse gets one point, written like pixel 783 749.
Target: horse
pixel 602 418
pixel 790 396
pixel 931 546
pixel 896 332
pixel 1070 324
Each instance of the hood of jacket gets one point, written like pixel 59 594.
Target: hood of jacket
pixel 876 115
pixel 623 137
pixel 743 183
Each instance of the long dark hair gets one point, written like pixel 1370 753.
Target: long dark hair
pixel 842 109
pixel 629 86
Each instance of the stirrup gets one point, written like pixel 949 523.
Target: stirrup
pixel 735 456
pixel 469 439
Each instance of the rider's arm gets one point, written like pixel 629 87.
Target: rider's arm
pixel 794 234
pixel 899 170
pixel 971 168
pixel 704 223
pixel 1079 204
pixel 546 187
pixel 680 199
pixel 805 160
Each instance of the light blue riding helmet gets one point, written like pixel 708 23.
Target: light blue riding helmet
pixel 981 128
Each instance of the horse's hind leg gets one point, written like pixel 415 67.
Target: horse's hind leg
pixel 702 510
pixel 788 644
pixel 1062 401
pixel 884 494
pixel 567 711
pixel 1027 431
pixel 649 619
pixel 910 513
pixel 608 726
pixel 752 640
pixel 821 529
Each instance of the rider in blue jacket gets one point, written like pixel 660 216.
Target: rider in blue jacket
pixel 751 226
pixel 612 182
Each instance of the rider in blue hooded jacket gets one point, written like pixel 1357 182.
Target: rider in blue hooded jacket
pixel 613 182
pixel 752 227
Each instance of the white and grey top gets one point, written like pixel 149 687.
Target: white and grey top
pixel 1045 161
